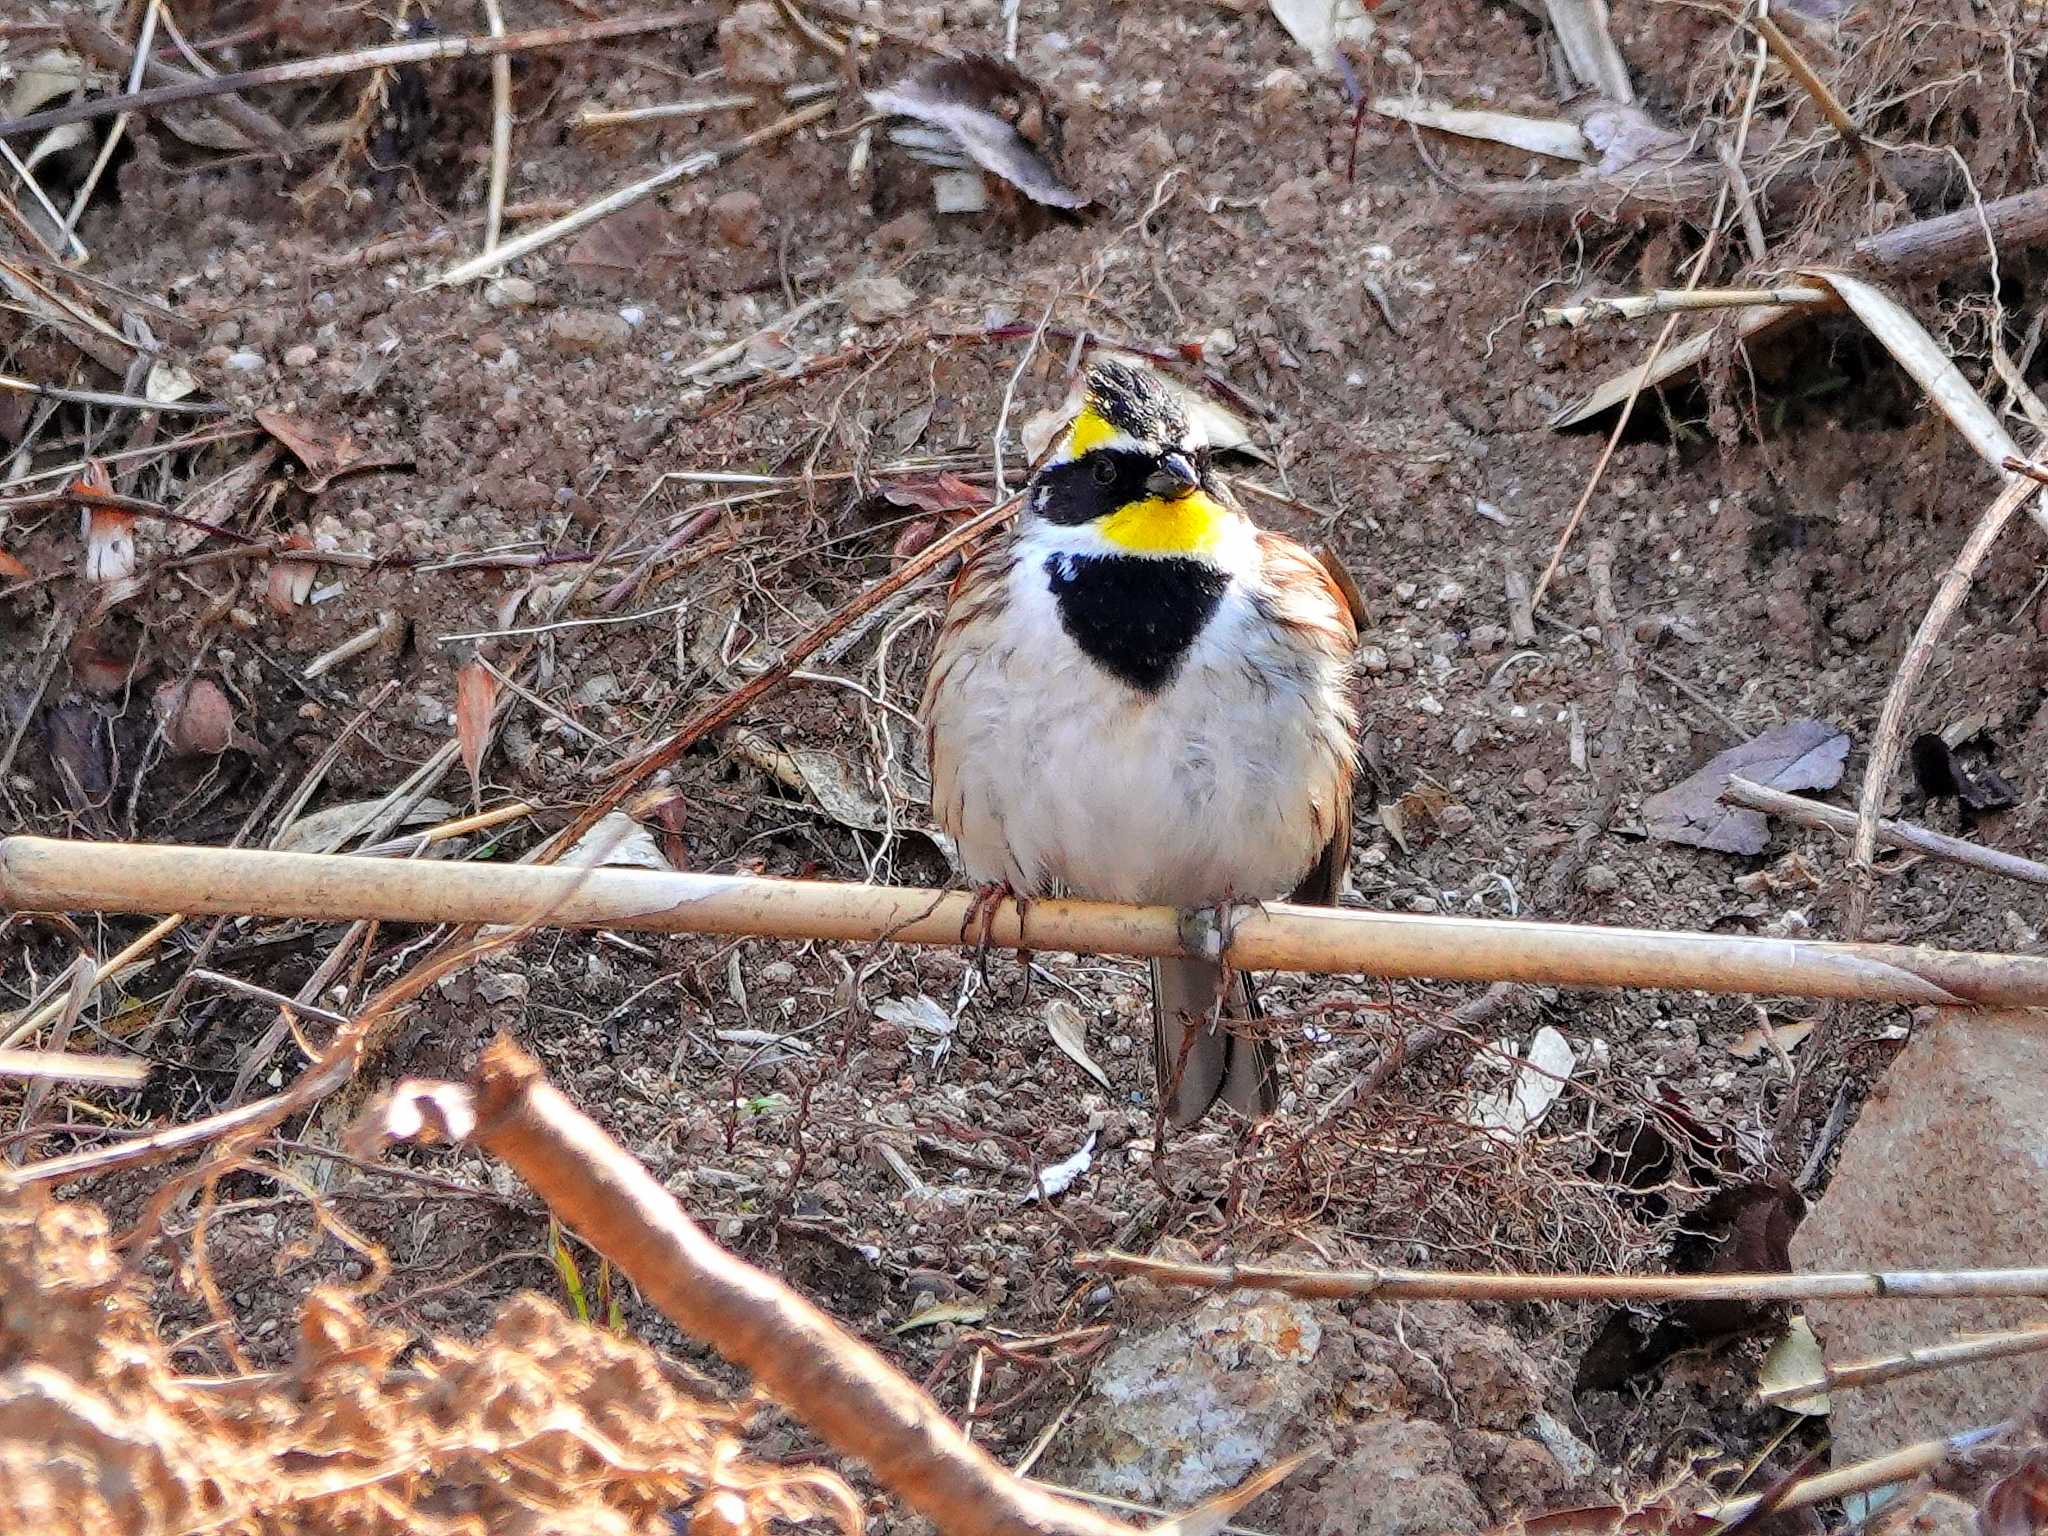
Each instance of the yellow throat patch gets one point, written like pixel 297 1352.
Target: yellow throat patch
pixel 1188 525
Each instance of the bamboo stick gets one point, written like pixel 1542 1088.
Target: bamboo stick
pixel 1452 1285
pixel 41 874
pixel 1914 1362
pixel 1893 834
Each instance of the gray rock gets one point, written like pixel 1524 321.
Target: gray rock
pixel 1428 1415
pixel 869 299
pixel 588 330
pixel 1942 1171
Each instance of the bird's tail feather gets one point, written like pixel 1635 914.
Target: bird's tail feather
pixel 1215 1063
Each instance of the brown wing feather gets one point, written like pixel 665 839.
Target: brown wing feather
pixel 1307 597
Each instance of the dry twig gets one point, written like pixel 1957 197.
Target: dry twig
pixel 853 1398
pixel 1893 834
pixel 1913 1362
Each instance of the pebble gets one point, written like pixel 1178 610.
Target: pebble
pixel 1372 658
pixel 245 361
pixel 301 356
pixel 739 216
pixel 1600 880
pixel 1455 820
pixel 588 330
pixel 871 299
pixel 509 293
pixel 754 48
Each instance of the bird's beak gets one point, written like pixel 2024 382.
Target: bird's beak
pixel 1174 478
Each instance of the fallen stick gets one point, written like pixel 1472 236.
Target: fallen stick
pixel 356 61
pixel 1858 1477
pixel 836 1385
pixel 1912 1362
pixel 50 875
pixel 1938 245
pixel 1453 1285
pixel 1893 834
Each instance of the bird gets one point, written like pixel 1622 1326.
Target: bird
pixel 1138 695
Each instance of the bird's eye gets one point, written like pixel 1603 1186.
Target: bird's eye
pixel 1104 471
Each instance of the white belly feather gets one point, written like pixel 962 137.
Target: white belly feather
pixel 1060 776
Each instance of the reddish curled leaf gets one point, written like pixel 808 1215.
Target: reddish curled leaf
pixel 941 493
pixel 324 455
pixel 476 691
pixel 13 569
pixel 198 718
pixel 109 531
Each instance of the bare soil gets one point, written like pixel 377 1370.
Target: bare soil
pixel 1778 535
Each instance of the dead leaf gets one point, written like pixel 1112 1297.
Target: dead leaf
pixel 617 841
pixel 1551 136
pixel 622 244
pixel 1589 51
pixel 1804 754
pixel 919 1014
pixel 1321 27
pixel 1794 1360
pixel 1755 1041
pixel 2017 1504
pixel 1539 1079
pixel 13 569
pixel 1681 357
pixel 168 383
pixel 997 114
pixel 941 493
pixel 943 1312
pixel 1626 136
pixel 1069 1032
pixel 326 830
pixel 325 456
pixel 476 693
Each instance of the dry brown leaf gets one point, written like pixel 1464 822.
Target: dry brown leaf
pixel 997 114
pixel 1069 1032
pixel 941 493
pixel 1754 1041
pixel 1321 27
pixel 1804 754
pixel 325 456
pixel 13 569
pixel 1551 136
pixel 1793 1361
pixel 476 693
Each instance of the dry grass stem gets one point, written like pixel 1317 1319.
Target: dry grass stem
pixel 1667 301
pixel 1860 1477
pixel 355 61
pixel 689 166
pixel 1449 1285
pixel 1914 1362
pixel 1893 834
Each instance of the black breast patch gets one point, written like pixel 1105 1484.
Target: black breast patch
pixel 1136 615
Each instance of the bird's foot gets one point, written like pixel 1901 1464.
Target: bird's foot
pixel 980 918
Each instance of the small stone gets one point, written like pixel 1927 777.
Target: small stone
pixel 197 718
pixel 304 355
pixel 509 293
pixel 501 986
pixel 245 361
pixel 910 231
pixel 1535 783
pixel 754 47
pixel 1372 658
pixel 1429 706
pixel 739 216
pixel 1599 880
pixel 872 299
pixel 588 331
pixel 1292 207
pixel 1455 820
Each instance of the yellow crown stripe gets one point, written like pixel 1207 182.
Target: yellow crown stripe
pixel 1090 430
pixel 1187 525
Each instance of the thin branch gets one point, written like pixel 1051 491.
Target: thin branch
pixel 48 875
pixel 356 61
pixel 1913 1362
pixel 1893 834
pixel 1665 301
pixel 1859 1477
pixel 1452 1285
pixel 836 1385
pixel 689 166
pixel 501 130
